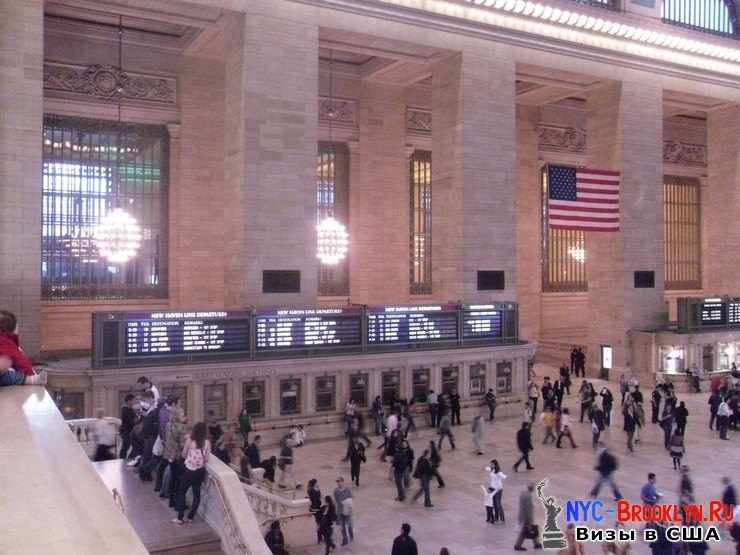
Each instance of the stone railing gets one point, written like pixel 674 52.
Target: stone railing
pixel 227 510
pixel 269 506
pixel 84 430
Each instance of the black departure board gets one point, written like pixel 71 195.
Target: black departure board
pixel 695 313
pixel 389 325
pixel 713 313
pixel 308 328
pixel 167 333
pixel 484 321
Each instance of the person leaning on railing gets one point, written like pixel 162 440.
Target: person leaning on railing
pixel 15 368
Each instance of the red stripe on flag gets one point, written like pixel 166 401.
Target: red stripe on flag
pixel 596 172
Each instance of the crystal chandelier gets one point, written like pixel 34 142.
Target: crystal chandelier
pixel 333 241
pixel 118 236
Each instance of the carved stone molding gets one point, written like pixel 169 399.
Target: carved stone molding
pixel 102 81
pixel 684 154
pixel 337 111
pixel 554 138
pixel 419 121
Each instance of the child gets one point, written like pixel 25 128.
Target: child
pixel 677 449
pixel 8 375
pixel 488 502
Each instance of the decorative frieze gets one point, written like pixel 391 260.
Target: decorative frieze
pixel 419 121
pixel 337 111
pixel 684 154
pixel 555 138
pixel 103 81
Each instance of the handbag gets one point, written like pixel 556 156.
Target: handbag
pixel 158 447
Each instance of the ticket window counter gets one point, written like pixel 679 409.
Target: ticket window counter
pixel 450 380
pixel 672 359
pixel 391 387
pixel 707 358
pixel 727 354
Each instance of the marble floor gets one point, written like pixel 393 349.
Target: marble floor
pixel 457 520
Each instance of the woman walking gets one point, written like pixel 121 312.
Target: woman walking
pixel 328 518
pixel 496 481
pixel 196 452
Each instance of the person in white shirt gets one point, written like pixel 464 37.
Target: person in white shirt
pixel 105 437
pixel 723 418
pixel 565 429
pixel 488 503
pixel 391 424
pixel 496 482
pixel 144 382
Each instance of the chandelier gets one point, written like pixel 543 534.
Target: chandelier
pixel 118 236
pixel 333 241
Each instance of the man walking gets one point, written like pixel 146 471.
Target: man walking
pixel 342 497
pixel 433 402
pixel 528 528
pixel 399 469
pixel 404 544
pixel 445 430
pixel 423 473
pixel 606 465
pixel 715 400
pixel 455 407
pixel 533 393
pixel 491 402
pixel 649 494
pixel 565 429
pixel 524 443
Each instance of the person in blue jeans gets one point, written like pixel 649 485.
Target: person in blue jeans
pixel 343 500
pixel 9 376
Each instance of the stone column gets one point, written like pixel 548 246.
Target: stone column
pixel 271 103
pixel 625 134
pixel 197 187
pixel 528 223
pixel 21 109
pixel 720 198
pixel 474 146
pixel 379 203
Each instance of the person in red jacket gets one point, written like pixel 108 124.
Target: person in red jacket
pixel 10 347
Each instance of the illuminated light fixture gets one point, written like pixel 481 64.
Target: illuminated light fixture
pixel 332 241
pixel 118 237
pixel 577 254
pixel 602 26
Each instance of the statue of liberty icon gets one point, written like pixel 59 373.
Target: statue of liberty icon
pixel 552 537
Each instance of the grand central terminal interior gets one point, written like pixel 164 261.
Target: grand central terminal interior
pixel 311 220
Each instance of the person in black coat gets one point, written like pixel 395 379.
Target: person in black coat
pixel 399 463
pixel 128 421
pixel 314 496
pixel 524 443
pixel 328 518
pixel 715 400
pixel 565 379
pixel 404 544
pixel 574 361
pixel 655 404
pixel 356 458
pixel 275 539
pixel 424 474
pixel 455 408
pixel 729 496
pixel 681 414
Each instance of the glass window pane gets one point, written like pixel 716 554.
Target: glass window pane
pixel 682 233
pixel 214 401
pixel 254 398
pixel 420 384
pixel 290 396
pixel 325 393
pixel 358 389
pixel 391 387
pixel 450 379
pixel 421 222
pixel 477 379
pixel 332 200
pixel 89 168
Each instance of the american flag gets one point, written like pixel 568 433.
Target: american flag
pixel 582 199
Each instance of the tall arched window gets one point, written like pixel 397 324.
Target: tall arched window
pixel 716 16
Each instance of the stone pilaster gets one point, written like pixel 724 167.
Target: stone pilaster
pixel 271 103
pixel 720 198
pixel 21 106
pixel 625 133
pixel 528 223
pixel 379 202
pixel 473 203
pixel 197 187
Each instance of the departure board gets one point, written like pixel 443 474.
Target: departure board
pixel 484 321
pixel 308 328
pixel 177 333
pixel 713 313
pixel 411 324
pixel 733 312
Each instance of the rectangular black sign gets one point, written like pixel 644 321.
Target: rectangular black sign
pixel 182 333
pixel 411 324
pixel 308 328
pixel 483 321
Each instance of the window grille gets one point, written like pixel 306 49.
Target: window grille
pixel 421 222
pixel 682 228
pixel 712 16
pixel 83 179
